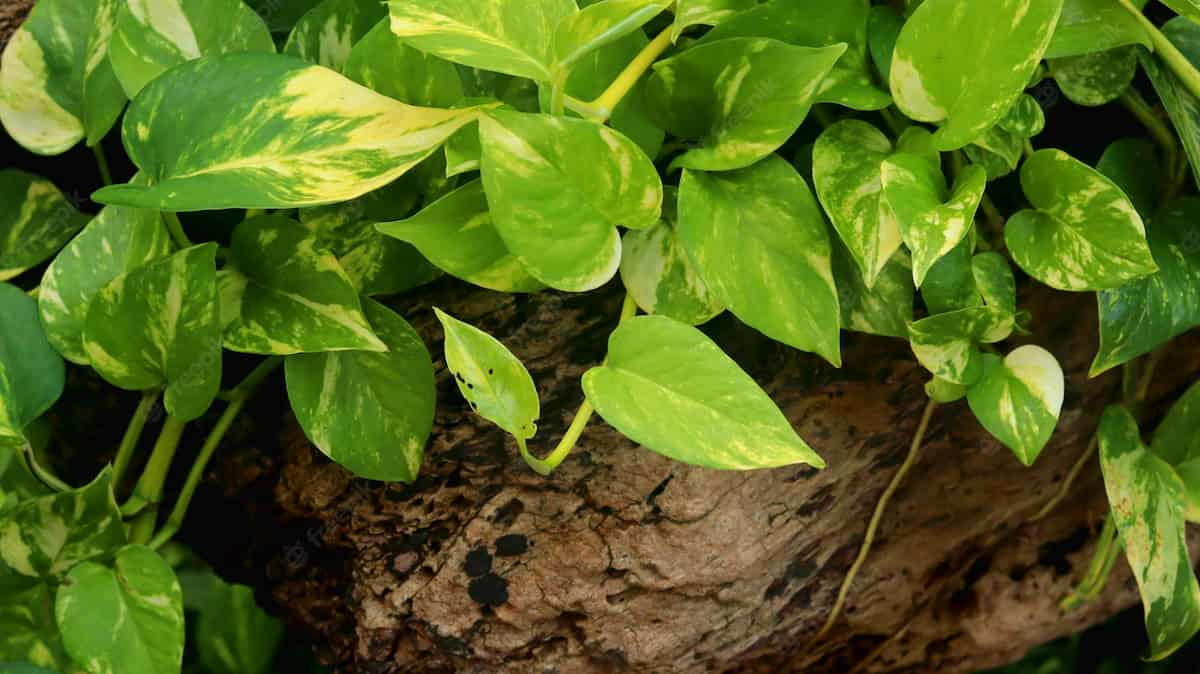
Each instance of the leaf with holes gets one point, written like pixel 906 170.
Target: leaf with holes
pixel 1018 399
pixel 36 223
pixel 32 375
pixel 327 33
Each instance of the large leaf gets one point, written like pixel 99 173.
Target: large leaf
pixel 509 36
pixel 116 241
pixel 56 84
pixel 1176 440
pixel 1083 233
pixel 490 377
pixel 326 33
pixel 690 13
pixel 126 619
pixel 233 634
pixel 1149 505
pixel 1088 26
pixel 276 133
pixel 781 280
pixel 884 24
pixel 671 389
pixel 1144 314
pixel 1185 8
pixel 601 24
pixel 152 36
pixel 740 98
pixel 383 63
pixel 369 412
pixel 966 83
pixel 456 233
pixel 1095 79
pixel 1018 399
pixel 31 373
pixel 288 295
pixel 559 187
pixel 35 222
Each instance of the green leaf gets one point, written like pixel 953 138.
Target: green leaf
pixel 234 635
pixel 1088 26
pixel 1001 148
pixel 45 537
pixel 883 309
pixel 847 172
pixel 1083 233
pixel 1095 79
pixel 944 392
pixel 36 222
pixel 1185 8
pixel 282 16
pixel 1181 105
pixel 28 633
pixel 559 187
pixel 883 29
pixel 1018 399
pixel 1134 165
pixel 508 36
pixel 327 33
pixel 289 295
pixel 382 63
pixel 31 373
pixel 968 82
pixel 56 84
pixel 23 669
pixel 690 13
pixel 276 133
pixel 601 24
pixel 1149 505
pixel 994 281
pixel 950 283
pixel 947 344
pixel 740 98
pixel 369 412
pixel 1176 440
pixel 658 274
pixel 116 241
pixel 126 619
pixel 490 377
pixel 817 24
pixel 671 389
pixel 1144 314
pixel 456 233
pixel 780 282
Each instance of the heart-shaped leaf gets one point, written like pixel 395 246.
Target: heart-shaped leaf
pixel 32 375
pixel 600 24
pixel 1134 165
pixel 327 33
pixel 36 222
pixel 671 389
pixel 994 281
pixel 1083 233
pixel 883 309
pixel 381 62
pixel 950 283
pixel 1000 149
pixel 232 633
pixel 1095 79
pixel 948 344
pixel 1018 399
pixel 781 280
pixel 1088 26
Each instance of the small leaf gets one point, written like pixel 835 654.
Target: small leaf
pixel 741 98
pixel 1149 505
pixel 1018 399
pixel 381 62
pixel 490 377
pixel 1095 79
pixel 947 344
pixel 1000 149
pixel 1083 233
pixel 781 280
pixel 233 634
pixel 36 222
pixel 456 233
pixel 1134 166
pixel 289 296
pixel 139 604
pixel 559 187
pixel 152 36
pixel 1176 440
pixel 600 24
pixel 32 375
pixel 1088 26
pixel 690 13
pixel 671 389
pixel 883 309
pixel 327 33
pixel 369 412
pixel 944 392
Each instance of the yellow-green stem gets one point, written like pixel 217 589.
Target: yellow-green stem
pixel 133 432
pixel 42 473
pixel 148 491
pixel 1094 580
pixel 1069 481
pixel 102 164
pixel 601 108
pixel 1167 52
pixel 175 227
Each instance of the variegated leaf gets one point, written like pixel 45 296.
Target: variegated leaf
pixel 509 36
pixel 1135 166
pixel 233 634
pixel 1177 442
pixel 600 24
pixel 780 282
pixel 999 150
pixel 994 281
pixel 847 173
pixel 1088 26
pixel 944 392
pixel 116 241
pixel 369 412
pixel 1181 105
pixel 817 24
pixel 36 221
pixel 1095 79
pixel 1146 313
pixel 490 377
pixel 288 295
pixel 948 344
pixel 327 33
pixel 884 24
pixel 1149 505
pixel 690 13
pixel 658 274
pixel 937 80
pixel 140 604
pixel 282 16
pixel 950 283
pixel 158 326
pixel 668 387
pixel 885 308
pixel 56 84
pixel 1018 399
pixel 1185 8
pixel 381 62
pixel 301 135
pixel 1082 233
pixel 152 36
pixel 28 632
pixel 559 187
pixel 456 233
pixel 32 375
pixel 740 98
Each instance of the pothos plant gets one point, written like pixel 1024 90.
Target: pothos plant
pixel 530 146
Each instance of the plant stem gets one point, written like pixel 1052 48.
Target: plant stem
pixel 34 291
pixel 1094 580
pixel 1028 147
pixel 1151 365
pixel 133 432
pixel 1137 106
pixel 148 491
pixel 1069 481
pixel 876 518
pixel 102 165
pixel 601 108
pixel 558 93
pixel 44 474
pixel 238 399
pixel 1167 52
pixel 175 227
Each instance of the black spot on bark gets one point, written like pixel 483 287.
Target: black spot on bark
pixel 478 562
pixel 511 545
pixel 489 590
pixel 508 512
pixel 662 486
pixel 1054 554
